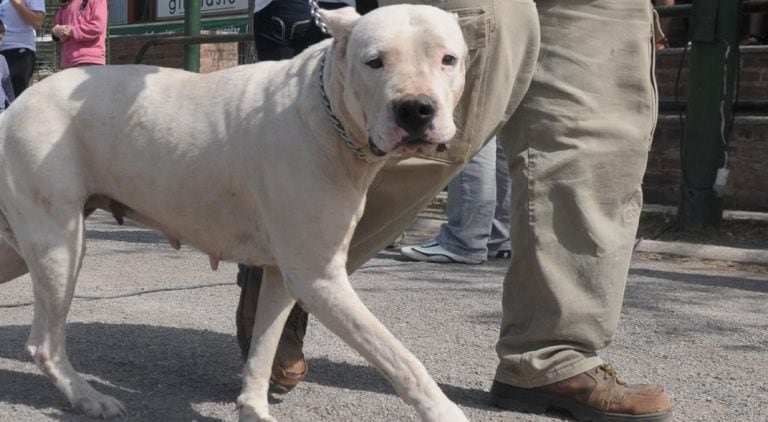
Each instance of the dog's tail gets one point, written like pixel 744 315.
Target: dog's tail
pixel 12 265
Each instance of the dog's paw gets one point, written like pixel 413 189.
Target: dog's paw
pixel 445 411
pixel 250 414
pixel 98 405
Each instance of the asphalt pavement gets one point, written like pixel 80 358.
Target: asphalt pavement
pixel 155 328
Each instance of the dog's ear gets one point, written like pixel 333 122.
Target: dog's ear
pixel 340 23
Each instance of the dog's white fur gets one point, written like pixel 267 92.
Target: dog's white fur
pixel 243 164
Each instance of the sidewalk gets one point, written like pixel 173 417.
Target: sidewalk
pixel 162 337
pixel 705 245
pixel 423 229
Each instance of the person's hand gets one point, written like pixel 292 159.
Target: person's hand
pixel 62 32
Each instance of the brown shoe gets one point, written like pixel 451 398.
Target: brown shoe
pixel 594 395
pixel 289 367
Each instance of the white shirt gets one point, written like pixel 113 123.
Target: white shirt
pixel 260 4
pixel 18 34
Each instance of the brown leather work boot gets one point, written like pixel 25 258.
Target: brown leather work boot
pixel 289 367
pixel 594 395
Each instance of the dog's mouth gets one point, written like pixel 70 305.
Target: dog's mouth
pixel 419 143
pixel 416 143
pixel 375 149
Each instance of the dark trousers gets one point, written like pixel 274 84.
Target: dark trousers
pixel 21 64
pixel 285 28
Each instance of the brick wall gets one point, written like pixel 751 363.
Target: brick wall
pixel 212 56
pixel 748 150
pixel 747 161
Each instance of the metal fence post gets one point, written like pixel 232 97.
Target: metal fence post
pixel 713 63
pixel 192 27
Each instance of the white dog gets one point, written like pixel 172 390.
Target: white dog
pixel 265 164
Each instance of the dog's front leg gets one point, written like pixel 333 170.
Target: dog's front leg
pixel 333 301
pixel 274 306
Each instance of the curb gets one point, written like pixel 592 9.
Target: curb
pixel 695 250
pixel 727 214
pixel 691 250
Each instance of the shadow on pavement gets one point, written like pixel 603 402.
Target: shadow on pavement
pixel 704 280
pixel 153 370
pixel 329 373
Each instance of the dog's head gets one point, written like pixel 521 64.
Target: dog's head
pixel 403 73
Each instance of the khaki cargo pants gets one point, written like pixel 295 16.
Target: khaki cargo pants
pixel 568 86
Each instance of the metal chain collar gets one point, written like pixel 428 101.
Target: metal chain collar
pixel 314 8
pixel 359 152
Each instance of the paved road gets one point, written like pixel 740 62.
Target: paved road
pixel 161 338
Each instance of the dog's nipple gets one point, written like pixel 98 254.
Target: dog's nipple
pixel 214 260
pixel 175 243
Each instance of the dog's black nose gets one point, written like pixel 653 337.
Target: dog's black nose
pixel 414 113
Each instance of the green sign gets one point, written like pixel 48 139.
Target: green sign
pixel 228 24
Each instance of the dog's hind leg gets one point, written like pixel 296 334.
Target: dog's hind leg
pixel 52 245
pixel 333 301
pixel 275 304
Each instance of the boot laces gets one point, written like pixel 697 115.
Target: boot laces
pixel 609 372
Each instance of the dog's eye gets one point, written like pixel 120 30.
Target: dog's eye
pixel 449 60
pixel 375 63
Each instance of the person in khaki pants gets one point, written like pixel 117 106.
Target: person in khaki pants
pixel 569 87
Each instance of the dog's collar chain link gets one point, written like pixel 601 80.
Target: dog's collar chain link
pixel 359 152
pixel 316 16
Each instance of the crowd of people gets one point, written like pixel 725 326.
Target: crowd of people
pixel 79 25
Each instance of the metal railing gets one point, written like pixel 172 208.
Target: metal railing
pixel 684 11
pixel 154 41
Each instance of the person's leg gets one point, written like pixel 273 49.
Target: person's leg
pixel 271 27
pixel 404 187
pixel 470 206
pixel 499 245
pixel 21 65
pixel 502 60
pixel 281 30
pixel 577 148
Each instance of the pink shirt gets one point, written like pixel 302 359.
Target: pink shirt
pixel 89 32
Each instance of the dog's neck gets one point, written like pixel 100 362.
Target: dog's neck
pixel 359 172
pixel 352 134
pixel 337 123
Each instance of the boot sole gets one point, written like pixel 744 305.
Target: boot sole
pixel 527 401
pixel 276 388
pixel 437 258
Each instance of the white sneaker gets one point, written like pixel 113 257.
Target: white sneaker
pixel 500 254
pixel 433 252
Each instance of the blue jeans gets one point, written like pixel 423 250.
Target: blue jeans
pixel 478 206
